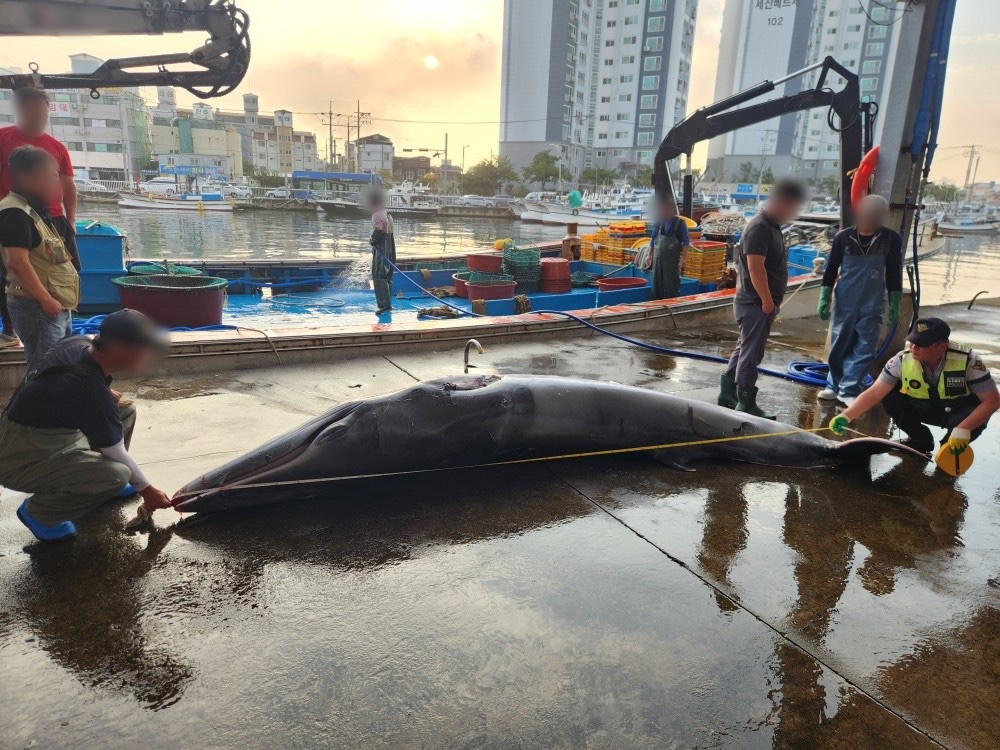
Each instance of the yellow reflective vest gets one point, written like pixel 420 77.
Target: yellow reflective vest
pixel 953 382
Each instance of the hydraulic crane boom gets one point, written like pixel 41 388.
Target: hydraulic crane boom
pixel 215 68
pixel 717 119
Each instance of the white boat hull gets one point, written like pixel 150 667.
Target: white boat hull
pixel 559 215
pixel 176 204
pixel 967 228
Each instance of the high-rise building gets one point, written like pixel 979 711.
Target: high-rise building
pixel 598 81
pixel 767 39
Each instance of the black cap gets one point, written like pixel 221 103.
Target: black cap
pixel 929 331
pixel 132 328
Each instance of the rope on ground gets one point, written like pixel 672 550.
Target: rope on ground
pixel 512 462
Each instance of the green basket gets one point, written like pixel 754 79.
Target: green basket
pixel 524 264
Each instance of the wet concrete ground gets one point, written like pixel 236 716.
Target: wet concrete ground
pixel 581 604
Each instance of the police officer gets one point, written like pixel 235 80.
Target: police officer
pixel 935 382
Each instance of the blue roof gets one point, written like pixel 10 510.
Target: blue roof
pixel 337 177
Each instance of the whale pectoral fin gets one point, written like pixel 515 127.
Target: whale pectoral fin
pixel 673 460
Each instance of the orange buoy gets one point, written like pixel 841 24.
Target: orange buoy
pixel 863 175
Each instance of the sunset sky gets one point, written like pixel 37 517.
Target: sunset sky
pixel 430 67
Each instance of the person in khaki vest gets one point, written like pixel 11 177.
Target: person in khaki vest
pixel 42 285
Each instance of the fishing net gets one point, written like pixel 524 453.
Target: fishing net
pixel 163 281
pixel 484 277
pixel 152 269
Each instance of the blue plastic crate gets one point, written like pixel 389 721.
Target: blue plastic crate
pixel 800 259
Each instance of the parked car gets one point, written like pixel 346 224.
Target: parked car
pixel 504 200
pixel 476 200
pixel 281 192
pixel 240 192
pixel 88 186
pixel 160 186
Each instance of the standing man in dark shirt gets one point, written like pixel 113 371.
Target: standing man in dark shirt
pixel 64 435
pixel 869 258
pixel 762 277
pixel 42 285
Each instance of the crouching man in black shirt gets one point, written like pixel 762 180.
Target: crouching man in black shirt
pixel 64 435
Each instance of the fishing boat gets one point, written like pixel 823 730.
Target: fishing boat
pixel 338 207
pixel 188 202
pixel 968 226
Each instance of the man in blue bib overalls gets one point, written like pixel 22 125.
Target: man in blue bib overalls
pixel 869 258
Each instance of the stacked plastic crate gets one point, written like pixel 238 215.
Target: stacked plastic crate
pixel 621 236
pixel 705 260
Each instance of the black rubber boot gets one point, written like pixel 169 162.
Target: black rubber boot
pixel 747 402
pixel 727 394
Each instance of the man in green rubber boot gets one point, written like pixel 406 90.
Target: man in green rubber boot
pixel 762 276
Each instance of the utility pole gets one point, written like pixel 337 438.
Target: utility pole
pixel 329 144
pixel 970 179
pixel 763 159
pixel 444 172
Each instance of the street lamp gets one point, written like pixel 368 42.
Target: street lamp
pixel 463 169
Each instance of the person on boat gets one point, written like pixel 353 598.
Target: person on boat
pixel 31 108
pixel 869 259
pixel 762 277
pixel 383 251
pixel 935 381
pixel 64 435
pixel 43 286
pixel 669 240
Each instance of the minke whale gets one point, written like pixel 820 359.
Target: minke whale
pixel 470 420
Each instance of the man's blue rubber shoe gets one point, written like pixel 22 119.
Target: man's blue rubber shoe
pixel 43 533
pixel 127 491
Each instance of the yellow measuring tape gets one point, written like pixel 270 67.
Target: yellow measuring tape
pixel 534 459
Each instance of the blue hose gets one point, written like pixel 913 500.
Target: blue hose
pixel 92 326
pixel 804 373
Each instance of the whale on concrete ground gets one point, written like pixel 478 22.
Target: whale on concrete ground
pixel 469 421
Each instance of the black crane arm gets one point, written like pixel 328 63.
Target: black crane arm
pixel 720 118
pixel 213 69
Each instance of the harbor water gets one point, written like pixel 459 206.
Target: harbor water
pixel 254 235
pixel 966 266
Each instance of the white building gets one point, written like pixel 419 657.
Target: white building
pixel 601 81
pixel 767 39
pixel 107 138
pixel 372 153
